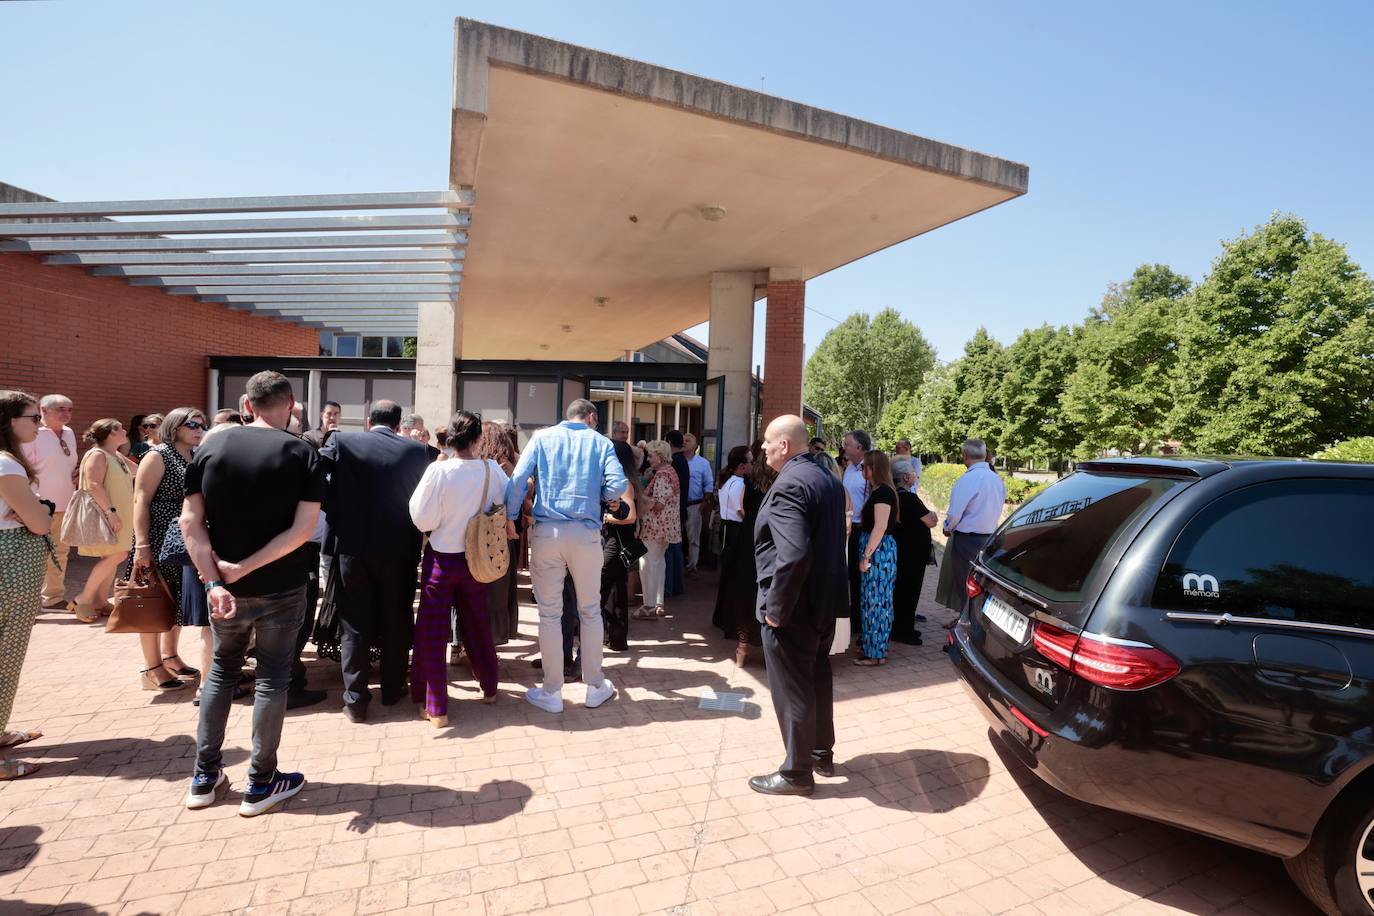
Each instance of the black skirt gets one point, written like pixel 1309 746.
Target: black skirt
pixel 737 592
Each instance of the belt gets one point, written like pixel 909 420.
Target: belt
pixel 693 502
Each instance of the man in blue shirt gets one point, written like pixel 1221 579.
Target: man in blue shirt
pixel 699 486
pixel 576 472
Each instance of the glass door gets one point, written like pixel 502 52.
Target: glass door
pixel 712 419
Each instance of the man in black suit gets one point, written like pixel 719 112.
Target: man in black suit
pixel 799 547
pixel 376 550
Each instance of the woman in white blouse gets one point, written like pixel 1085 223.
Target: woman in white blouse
pixel 450 493
pixel 737 589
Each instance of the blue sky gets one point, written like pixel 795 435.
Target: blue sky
pixel 1152 131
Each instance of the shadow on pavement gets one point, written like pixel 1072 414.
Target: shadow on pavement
pixel 920 781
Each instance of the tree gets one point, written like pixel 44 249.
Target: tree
pixel 862 365
pixel 978 403
pixel 1037 366
pixel 1118 396
pixel 1276 347
pixel 934 429
pixel 898 420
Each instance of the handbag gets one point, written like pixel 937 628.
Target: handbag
pixel 142 604
pixel 629 549
pixel 85 524
pixel 488 553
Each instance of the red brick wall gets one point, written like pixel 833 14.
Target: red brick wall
pixel 117 350
pixel 783 345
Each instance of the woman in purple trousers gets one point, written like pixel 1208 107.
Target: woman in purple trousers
pixel 449 494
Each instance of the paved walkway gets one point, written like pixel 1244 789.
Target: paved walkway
pixel 640 806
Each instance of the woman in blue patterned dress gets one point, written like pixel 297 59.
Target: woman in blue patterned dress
pixel 877 559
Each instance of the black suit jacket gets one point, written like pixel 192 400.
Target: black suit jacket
pixel 799 547
pixel 371 477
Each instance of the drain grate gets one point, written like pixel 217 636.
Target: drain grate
pixel 722 702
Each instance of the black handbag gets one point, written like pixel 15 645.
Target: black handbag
pixel 629 549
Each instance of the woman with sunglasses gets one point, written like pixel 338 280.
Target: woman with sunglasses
pixel 159 490
pixel 23 554
pixel 109 477
pixel 145 435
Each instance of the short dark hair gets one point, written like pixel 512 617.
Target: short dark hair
pixel 738 455
pixel 464 428
pixel 227 415
pixel 385 413
pixel 335 404
pixel 862 439
pixel 268 390
pixel 817 441
pixel 673 437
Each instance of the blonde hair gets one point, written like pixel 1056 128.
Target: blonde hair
pixel 661 449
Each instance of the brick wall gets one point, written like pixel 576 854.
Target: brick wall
pixel 117 350
pixel 783 345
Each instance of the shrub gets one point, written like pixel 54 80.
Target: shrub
pixel 1361 449
pixel 937 483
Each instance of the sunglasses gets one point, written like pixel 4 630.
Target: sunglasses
pixel 149 425
pixel 35 417
pixel 194 424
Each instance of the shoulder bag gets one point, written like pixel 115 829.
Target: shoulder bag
pixel 488 554
pixel 142 604
pixel 85 524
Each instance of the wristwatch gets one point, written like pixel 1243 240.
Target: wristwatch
pixel 214 583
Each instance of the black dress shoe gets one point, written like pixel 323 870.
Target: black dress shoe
pixel 823 764
pixel 355 713
pixel 778 784
pixel 295 699
pixel 908 639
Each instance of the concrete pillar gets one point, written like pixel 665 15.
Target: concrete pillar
pixel 677 415
pixel 630 399
pixel 782 389
pixel 732 352
pixel 439 342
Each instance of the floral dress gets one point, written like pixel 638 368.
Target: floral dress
pixel 665 524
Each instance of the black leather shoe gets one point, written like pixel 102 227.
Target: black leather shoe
pixel 778 784
pixel 295 699
pixel 355 713
pixel 825 765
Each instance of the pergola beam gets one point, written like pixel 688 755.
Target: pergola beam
pixel 153 274
pixel 449 200
pixel 361 289
pixel 410 222
pixel 198 258
pixel 437 240
pixel 326 299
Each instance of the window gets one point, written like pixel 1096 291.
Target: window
pixel 326 343
pixel 394 347
pixel 1054 543
pixel 346 345
pixel 1286 550
pixel 372 346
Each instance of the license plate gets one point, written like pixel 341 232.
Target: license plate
pixel 1013 623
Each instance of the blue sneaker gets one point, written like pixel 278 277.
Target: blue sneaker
pixel 206 789
pixel 261 798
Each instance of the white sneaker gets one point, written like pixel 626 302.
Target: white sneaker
pixel 600 694
pixel 549 702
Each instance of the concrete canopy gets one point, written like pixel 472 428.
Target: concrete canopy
pixel 592 173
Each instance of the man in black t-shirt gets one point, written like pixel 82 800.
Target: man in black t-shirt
pixel 253 495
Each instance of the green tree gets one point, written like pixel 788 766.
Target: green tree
pixel 1037 366
pixel 977 383
pixel 862 365
pixel 898 420
pixel 1118 396
pixel 1276 347
pixel 934 429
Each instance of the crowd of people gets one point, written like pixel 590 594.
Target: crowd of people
pixel 266 535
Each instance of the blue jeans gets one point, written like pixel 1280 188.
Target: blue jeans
pixel 275 620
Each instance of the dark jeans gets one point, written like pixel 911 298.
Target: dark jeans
pixel 274 620
pixel 312 601
pixel 675 567
pixel 799 678
pixel 375 599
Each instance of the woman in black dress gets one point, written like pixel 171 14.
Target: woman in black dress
pixel 912 535
pixel 621 551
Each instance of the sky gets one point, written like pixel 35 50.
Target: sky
pixel 1152 131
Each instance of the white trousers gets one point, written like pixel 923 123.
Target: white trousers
pixel 558 550
pixel 652 569
pixel 693 534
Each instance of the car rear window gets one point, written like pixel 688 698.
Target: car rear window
pixel 1053 544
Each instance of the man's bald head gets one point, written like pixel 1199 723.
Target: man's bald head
pixel 784 438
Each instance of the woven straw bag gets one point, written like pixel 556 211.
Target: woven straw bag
pixel 488 554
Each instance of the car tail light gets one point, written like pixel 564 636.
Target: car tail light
pixel 972 587
pixel 1116 663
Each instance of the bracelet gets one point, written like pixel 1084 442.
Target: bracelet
pixel 141 546
pixel 215 583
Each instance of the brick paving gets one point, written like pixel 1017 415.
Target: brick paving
pixel 640 806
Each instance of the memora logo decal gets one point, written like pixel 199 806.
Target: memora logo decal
pixel 1201 585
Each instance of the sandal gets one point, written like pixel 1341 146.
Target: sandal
pixel 13 769
pixel 16 738
pixel 867 662
pixel 182 670
pixel 86 613
pixel 644 613
pixel 151 683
